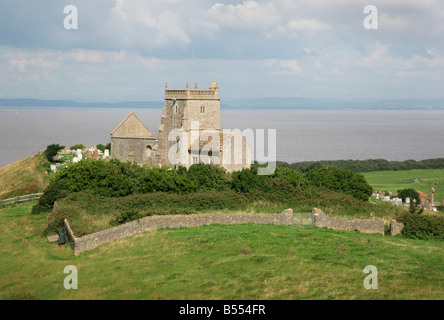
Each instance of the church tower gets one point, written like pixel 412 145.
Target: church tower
pixel 184 109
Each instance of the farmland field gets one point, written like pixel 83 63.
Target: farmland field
pixel 420 179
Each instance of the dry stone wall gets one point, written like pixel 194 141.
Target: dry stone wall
pixel 395 227
pixel 320 219
pixel 170 221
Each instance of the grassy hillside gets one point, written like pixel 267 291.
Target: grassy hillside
pixel 90 213
pixel 25 176
pixel 218 262
pixel 395 180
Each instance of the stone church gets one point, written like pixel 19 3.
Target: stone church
pixel 189 133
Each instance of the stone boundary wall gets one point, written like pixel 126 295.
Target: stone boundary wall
pixel 320 219
pixel 395 227
pixel 94 240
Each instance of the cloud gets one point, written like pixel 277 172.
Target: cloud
pixel 252 45
pixel 248 14
pixel 307 24
pixel 379 51
pixel 387 21
pixel 284 67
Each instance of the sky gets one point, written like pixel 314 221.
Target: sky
pixel 125 50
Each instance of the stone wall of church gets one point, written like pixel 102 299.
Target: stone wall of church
pixel 140 150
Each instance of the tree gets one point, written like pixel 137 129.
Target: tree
pixel 409 193
pixel 51 151
pixel 101 147
pixel 293 176
pixel 341 180
pixel 77 146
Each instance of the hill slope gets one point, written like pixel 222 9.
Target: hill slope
pixel 218 262
pixel 29 175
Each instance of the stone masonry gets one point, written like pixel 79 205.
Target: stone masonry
pixel 320 219
pixel 395 227
pixel 94 240
pixel 189 130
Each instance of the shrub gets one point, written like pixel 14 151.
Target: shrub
pixel 101 147
pixel 246 180
pixel 111 179
pixel 77 146
pixel 208 177
pixel 420 226
pixel 294 177
pixel 56 219
pixel 125 217
pixel 52 193
pixel 51 151
pixel 410 193
pixel 341 180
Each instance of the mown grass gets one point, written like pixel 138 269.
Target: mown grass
pixel 396 180
pixel 218 262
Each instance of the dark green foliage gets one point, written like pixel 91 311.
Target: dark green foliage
pixel 410 193
pixel 53 192
pixel 56 219
pixel 111 179
pixel 208 177
pixel 77 146
pixel 51 151
pixel 294 177
pixel 341 180
pixel 366 165
pixel 205 187
pixel 117 179
pixel 413 208
pixel 421 226
pixel 101 147
pixel 125 217
pixel 247 179
pixel 108 146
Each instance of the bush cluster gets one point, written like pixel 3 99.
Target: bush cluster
pixel 77 146
pixel 421 226
pixel 51 151
pixel 409 193
pixel 54 191
pixel 341 180
pixel 119 179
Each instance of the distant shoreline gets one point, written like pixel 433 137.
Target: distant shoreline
pixel 296 103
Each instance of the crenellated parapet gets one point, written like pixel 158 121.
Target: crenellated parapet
pixel 192 94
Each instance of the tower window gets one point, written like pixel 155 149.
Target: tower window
pixel 176 108
pixel 202 109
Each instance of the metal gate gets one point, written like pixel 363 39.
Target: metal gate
pixel 303 219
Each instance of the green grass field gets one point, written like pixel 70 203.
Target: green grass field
pixel 395 180
pixel 218 262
